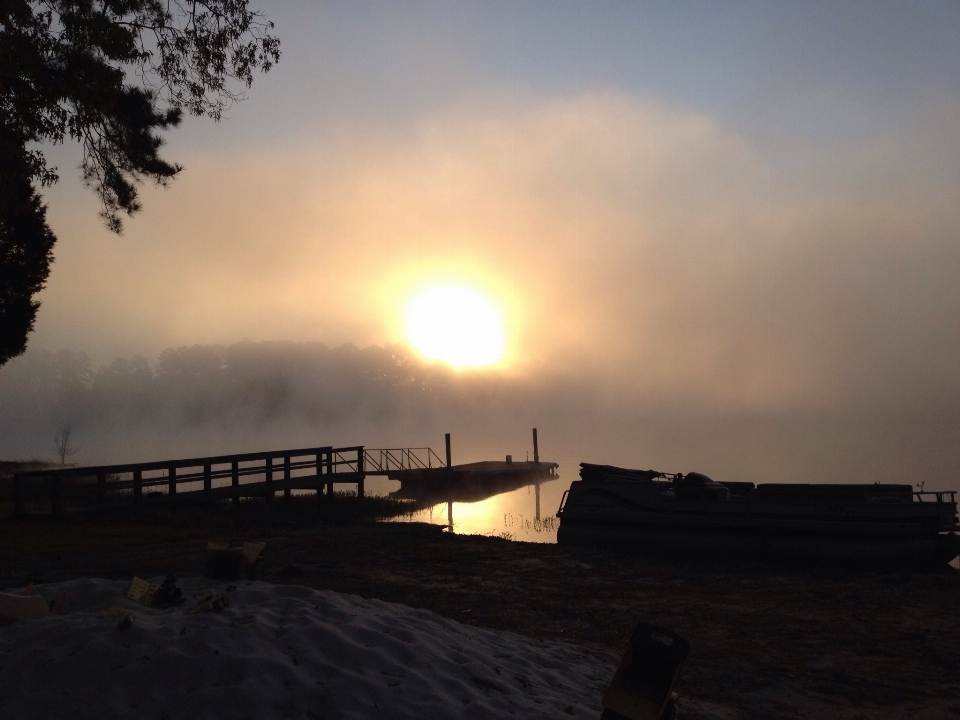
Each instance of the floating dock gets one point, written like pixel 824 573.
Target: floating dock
pixel 470 482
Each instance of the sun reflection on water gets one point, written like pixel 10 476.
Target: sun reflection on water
pixel 513 515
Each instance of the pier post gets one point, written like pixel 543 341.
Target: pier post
pixel 54 495
pixel 207 480
pixel 286 478
pixel 447 438
pixel 101 488
pixel 329 473
pixel 17 495
pixel 536 450
pixel 268 477
pixel 360 470
pixel 172 485
pixel 235 482
pixel 319 472
pixel 137 486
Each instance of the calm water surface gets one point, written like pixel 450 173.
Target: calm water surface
pixel 528 513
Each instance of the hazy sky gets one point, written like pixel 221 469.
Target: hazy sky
pixel 743 207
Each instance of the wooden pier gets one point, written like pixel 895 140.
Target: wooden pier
pixel 192 481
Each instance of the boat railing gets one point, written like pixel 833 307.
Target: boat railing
pixel 937 496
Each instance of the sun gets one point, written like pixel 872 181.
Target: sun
pixel 456 325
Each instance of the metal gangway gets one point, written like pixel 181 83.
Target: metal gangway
pixel 383 461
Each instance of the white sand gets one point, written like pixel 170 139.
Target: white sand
pixel 281 651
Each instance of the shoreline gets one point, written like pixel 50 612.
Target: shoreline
pixel 765 642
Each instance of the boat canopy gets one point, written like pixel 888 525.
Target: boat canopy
pixel 606 473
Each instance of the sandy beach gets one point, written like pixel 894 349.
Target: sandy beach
pixel 766 643
pixel 280 651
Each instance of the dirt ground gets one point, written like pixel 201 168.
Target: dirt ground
pixel 765 643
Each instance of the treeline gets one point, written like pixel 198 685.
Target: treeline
pixel 282 392
pixel 211 399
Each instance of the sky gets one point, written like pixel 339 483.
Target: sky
pixel 734 227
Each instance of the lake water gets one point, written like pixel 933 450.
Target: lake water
pixel 527 513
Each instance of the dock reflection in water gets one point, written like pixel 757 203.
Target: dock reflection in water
pixel 518 508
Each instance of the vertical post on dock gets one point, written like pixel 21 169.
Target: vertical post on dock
pixel 137 486
pixel 18 495
pixel 447 438
pixel 319 472
pixel 286 478
pixel 536 450
pixel 172 484
pixel 207 480
pixel 101 488
pixel 360 471
pixel 55 495
pixel 268 477
pixel 537 490
pixel 235 481
pixel 329 473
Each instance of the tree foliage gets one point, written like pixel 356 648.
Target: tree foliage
pixel 26 251
pixel 112 75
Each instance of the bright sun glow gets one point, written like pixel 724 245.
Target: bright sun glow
pixel 455 325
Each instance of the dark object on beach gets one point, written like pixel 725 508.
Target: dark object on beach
pixel 227 562
pixel 642 687
pixel 22 607
pixel 211 603
pixel 126 623
pixel 168 594
pixel 856 524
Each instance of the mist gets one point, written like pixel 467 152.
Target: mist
pixel 205 400
pixel 684 286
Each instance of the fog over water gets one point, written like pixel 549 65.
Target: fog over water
pixel 205 400
pixel 723 240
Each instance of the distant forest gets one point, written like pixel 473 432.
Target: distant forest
pixel 208 398
pixel 211 399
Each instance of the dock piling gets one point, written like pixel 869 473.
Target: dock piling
pixel 55 486
pixel 329 472
pixel 235 482
pixel 17 495
pixel 319 472
pixel 268 477
pixel 172 485
pixel 447 438
pixel 360 472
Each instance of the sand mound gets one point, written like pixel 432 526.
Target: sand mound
pixel 281 651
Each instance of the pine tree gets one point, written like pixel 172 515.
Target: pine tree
pixel 65 70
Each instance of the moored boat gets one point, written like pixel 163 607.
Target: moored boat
pixel 851 523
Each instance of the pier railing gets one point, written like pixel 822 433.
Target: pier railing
pixel 191 480
pixel 384 460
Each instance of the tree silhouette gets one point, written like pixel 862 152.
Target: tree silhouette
pixel 64 72
pixel 65 448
